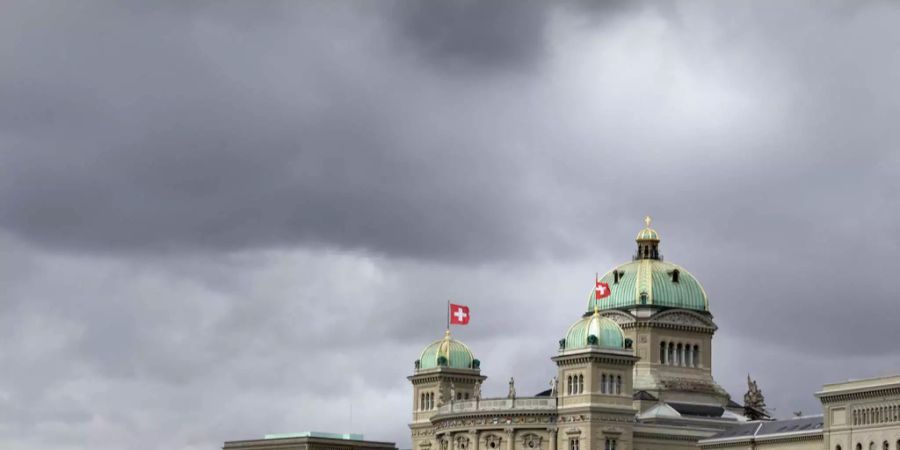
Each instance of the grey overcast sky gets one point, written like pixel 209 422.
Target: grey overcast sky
pixel 225 219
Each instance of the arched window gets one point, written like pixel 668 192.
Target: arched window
pixel 662 352
pixel 837 447
pixel 619 384
pixel 871 446
pixel 678 351
pixel 886 446
pixel 603 384
pixel 671 356
pixel 580 384
pixel 858 446
pixel 569 385
pixel 696 356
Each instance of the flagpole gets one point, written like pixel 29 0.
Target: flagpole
pixel 448 315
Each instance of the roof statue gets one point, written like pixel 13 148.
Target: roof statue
pixel 442 395
pixel 477 390
pixel 512 388
pixel 754 401
pixel 554 386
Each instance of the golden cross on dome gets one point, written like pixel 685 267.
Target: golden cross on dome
pixel 647 220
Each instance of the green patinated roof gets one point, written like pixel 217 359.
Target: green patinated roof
pixel 457 354
pixel 609 333
pixel 653 278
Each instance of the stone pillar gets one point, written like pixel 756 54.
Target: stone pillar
pixel 510 439
pixel 473 436
pixel 552 438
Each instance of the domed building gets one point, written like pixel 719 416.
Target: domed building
pixel 664 310
pixel 633 372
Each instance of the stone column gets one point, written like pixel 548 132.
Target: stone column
pixel 510 439
pixel 473 436
pixel 552 438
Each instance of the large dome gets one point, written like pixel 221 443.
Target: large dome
pixel 648 280
pixel 447 352
pixel 651 282
pixel 594 331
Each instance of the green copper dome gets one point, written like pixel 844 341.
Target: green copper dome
pixel 447 352
pixel 594 330
pixel 651 282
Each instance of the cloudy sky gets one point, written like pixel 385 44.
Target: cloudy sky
pixel 225 219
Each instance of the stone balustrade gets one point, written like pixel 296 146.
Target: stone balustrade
pixel 499 404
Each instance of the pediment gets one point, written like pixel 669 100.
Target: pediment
pixel 684 318
pixel 619 317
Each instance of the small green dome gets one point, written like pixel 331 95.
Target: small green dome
pixel 447 352
pixel 651 282
pixel 601 330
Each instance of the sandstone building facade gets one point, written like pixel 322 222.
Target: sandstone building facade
pixel 634 372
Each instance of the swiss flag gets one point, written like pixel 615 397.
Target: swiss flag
pixel 459 314
pixel 601 290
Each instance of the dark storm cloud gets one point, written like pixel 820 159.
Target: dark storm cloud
pixel 141 132
pixel 217 201
pixel 495 34
pixel 503 35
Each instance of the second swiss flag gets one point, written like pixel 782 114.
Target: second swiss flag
pixel 602 290
pixel 459 314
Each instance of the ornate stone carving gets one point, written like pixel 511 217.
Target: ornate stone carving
pixel 682 318
pixel 754 401
pixel 492 441
pixel 690 385
pixel 618 318
pixel 531 441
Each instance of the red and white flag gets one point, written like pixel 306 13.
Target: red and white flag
pixel 601 290
pixel 459 314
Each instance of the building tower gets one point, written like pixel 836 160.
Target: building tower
pixel 595 366
pixel 664 310
pixel 446 372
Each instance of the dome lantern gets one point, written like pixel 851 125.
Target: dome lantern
pixel 648 242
